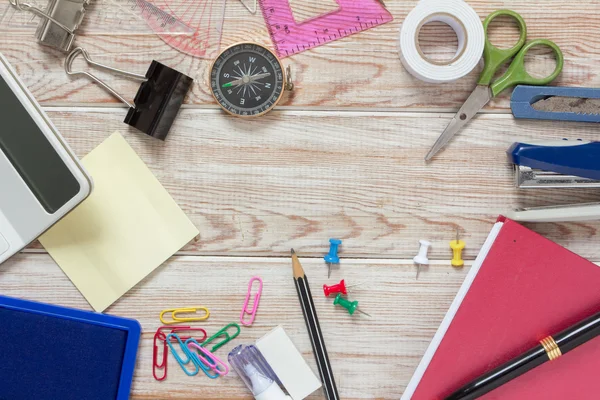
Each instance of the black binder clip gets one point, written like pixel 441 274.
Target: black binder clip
pixel 157 101
pixel 58 22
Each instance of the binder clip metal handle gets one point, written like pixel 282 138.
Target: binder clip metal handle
pixel 40 13
pixel 86 56
pixel 157 101
pixel 58 22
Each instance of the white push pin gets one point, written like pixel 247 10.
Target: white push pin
pixel 421 258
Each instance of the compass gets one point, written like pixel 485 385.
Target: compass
pixel 248 80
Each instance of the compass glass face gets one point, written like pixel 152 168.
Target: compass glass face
pixel 247 79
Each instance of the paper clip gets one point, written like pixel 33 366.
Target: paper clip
pixel 163 364
pixel 163 336
pixel 216 364
pixel 176 311
pixel 256 301
pixel 179 329
pixel 223 332
pixel 207 361
pixel 186 351
pixel 157 101
pixel 58 22
pixel 160 335
pixel 156 366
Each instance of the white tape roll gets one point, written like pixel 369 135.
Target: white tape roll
pixel 469 30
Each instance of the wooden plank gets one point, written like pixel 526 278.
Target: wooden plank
pixel 361 71
pixel 255 188
pixel 371 358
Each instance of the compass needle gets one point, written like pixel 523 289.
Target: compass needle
pixel 237 82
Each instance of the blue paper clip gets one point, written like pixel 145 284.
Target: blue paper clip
pixel 186 351
pixel 223 332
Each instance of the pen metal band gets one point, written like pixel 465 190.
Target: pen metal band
pixel 551 348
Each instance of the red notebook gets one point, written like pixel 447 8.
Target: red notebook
pixel 521 288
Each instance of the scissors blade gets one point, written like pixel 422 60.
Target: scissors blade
pixel 476 101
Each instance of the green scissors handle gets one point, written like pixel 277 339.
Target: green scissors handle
pixel 517 73
pixel 494 57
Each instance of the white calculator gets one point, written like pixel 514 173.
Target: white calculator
pixel 41 180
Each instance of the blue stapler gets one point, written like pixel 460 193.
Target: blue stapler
pixel 556 164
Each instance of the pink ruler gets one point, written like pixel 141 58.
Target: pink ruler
pixel 290 38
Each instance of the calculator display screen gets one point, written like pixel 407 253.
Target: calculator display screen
pixel 32 155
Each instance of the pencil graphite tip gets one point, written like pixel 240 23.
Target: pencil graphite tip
pixel 296 266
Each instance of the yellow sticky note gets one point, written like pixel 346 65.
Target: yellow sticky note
pixel 126 228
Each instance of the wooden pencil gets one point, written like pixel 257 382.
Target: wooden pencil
pixel 314 329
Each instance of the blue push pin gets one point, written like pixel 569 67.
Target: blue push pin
pixel 332 257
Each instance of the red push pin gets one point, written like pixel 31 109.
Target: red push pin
pixel 335 289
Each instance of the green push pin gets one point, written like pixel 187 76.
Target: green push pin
pixel 351 306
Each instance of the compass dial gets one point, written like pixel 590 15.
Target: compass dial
pixel 247 80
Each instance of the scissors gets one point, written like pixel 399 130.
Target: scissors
pixel 516 74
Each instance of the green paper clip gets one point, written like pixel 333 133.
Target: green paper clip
pixel 223 332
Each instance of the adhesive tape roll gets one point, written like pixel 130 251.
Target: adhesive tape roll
pixel 469 30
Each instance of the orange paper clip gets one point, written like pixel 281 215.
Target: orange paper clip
pixel 175 312
pixel 252 312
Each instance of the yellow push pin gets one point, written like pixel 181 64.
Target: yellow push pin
pixel 457 247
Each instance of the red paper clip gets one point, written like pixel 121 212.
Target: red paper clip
pixel 184 328
pixel 163 364
pixel 161 336
pixel 256 301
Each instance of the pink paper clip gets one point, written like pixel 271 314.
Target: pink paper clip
pixel 214 362
pixel 256 301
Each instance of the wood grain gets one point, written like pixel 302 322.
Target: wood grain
pixel 341 157
pixel 361 71
pixel 371 358
pixel 252 188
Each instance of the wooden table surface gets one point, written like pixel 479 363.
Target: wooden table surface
pixel 340 157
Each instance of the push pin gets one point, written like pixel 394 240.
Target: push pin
pixel 457 247
pixel 351 306
pixel 332 256
pixel 157 101
pixel 337 288
pixel 421 258
pixel 58 23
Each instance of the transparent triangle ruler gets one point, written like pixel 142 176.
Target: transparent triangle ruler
pixel 193 27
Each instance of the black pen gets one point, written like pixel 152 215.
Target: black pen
pixel 549 349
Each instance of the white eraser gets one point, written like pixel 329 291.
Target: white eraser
pixel 288 364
